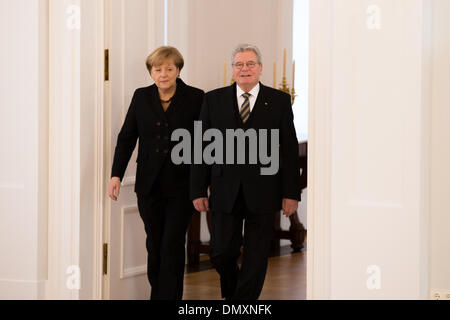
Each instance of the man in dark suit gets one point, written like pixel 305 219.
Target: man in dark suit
pixel 241 192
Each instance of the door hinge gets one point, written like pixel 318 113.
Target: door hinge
pixel 105 258
pixel 106 64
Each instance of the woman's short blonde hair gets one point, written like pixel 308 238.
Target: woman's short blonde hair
pixel 158 56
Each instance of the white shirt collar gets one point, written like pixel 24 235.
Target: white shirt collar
pixel 254 92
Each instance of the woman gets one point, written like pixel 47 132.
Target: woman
pixel 161 186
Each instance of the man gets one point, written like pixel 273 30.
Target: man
pixel 239 191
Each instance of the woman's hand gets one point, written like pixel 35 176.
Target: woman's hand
pixel 114 188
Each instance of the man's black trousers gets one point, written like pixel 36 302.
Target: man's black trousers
pixel 243 283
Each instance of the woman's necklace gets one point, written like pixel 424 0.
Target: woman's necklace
pixel 166 101
pixel 169 100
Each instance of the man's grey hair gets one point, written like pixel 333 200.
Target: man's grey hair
pixel 246 47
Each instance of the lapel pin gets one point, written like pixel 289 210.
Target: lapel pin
pixel 267 104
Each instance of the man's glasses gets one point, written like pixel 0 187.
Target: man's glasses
pixel 240 65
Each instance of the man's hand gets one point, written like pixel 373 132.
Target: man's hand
pixel 201 204
pixel 114 188
pixel 289 207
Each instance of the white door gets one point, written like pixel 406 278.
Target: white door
pixel 130 31
pixel 369 154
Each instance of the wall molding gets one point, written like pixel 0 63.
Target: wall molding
pixel 126 273
pixel 11 289
pixel 134 272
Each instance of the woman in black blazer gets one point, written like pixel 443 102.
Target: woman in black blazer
pixel 162 187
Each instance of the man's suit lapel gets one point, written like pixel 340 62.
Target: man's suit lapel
pixel 261 104
pixel 231 100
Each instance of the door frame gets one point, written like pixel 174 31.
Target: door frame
pixel 101 174
pixel 63 189
pixel 66 202
pixel 319 149
pixel 318 265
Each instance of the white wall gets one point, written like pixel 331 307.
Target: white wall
pixel 212 28
pixel 300 43
pixel 24 144
pixel 440 149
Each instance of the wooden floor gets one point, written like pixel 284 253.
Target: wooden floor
pixel 285 280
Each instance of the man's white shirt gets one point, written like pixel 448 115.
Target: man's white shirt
pixel 252 99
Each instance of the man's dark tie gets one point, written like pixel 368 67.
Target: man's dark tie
pixel 245 109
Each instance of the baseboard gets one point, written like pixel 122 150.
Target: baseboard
pixel 22 289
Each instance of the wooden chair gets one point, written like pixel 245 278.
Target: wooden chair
pixel 297 231
pixel 194 245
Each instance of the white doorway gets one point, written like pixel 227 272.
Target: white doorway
pixel 130 35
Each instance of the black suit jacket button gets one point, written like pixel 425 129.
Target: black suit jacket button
pixel 158 124
pixel 157 150
pixel 158 137
pixel 166 124
pixel 166 151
